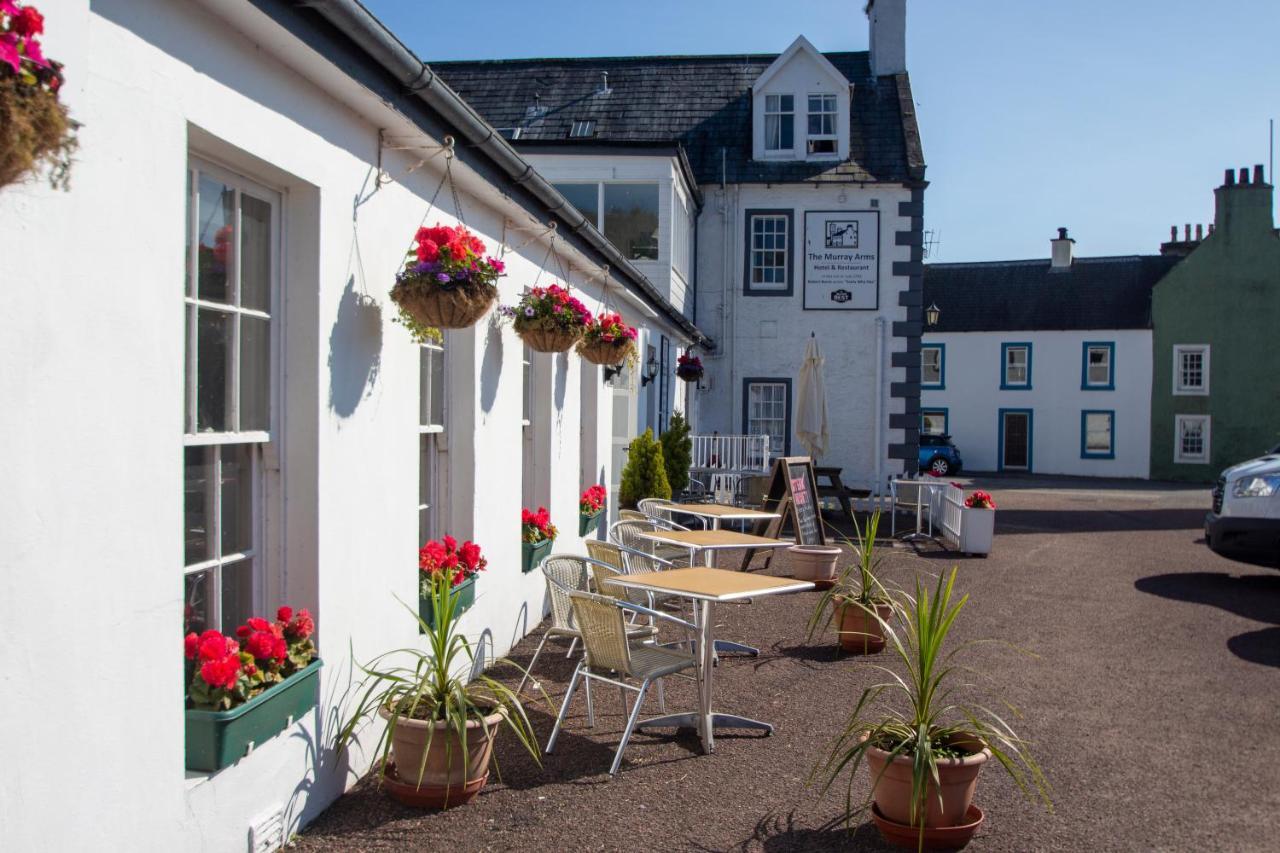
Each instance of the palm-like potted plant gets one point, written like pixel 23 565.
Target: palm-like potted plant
pixel 858 602
pixel 447 283
pixel 537 535
pixel 440 726
pixel 925 750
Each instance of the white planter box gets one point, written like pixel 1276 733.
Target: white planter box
pixel 977 529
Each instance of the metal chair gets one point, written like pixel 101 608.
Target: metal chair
pixel 566 575
pixel 613 658
pixel 626 534
pixel 631 515
pixel 652 507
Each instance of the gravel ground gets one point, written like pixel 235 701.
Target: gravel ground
pixel 1151 701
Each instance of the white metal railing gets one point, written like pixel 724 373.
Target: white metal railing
pixel 730 454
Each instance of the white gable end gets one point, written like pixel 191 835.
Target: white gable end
pixel 800 108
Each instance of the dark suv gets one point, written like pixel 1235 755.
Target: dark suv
pixel 939 455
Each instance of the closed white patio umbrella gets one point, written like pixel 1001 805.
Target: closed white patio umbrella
pixel 811 402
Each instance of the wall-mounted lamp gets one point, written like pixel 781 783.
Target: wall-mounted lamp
pixel 650 371
pixel 932 313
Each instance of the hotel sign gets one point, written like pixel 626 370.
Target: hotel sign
pixel 841 260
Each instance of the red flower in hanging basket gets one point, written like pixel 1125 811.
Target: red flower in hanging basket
pixel 689 367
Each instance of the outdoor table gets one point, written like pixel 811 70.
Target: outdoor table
pixel 717 513
pixel 705 586
pixel 836 488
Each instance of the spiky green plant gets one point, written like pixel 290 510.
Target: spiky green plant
pixel 857 585
pixel 432 685
pixel 916 713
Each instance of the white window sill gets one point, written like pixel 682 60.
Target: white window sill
pixel 1186 393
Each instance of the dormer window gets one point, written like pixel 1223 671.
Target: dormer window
pixel 779 123
pixel 822 124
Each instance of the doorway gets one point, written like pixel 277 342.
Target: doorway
pixel 1015 440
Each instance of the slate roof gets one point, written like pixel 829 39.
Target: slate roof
pixel 701 103
pixel 1006 296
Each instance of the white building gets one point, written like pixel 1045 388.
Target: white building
pixel 188 447
pixel 774 196
pixel 1043 366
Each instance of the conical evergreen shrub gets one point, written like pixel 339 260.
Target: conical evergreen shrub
pixel 677 453
pixel 645 475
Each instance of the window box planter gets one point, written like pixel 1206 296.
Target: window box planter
pixel 466 598
pixel 218 739
pixel 977 530
pixel 587 523
pixel 531 554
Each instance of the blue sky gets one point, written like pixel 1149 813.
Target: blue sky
pixel 1115 119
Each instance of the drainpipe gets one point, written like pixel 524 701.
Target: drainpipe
pixel 879 430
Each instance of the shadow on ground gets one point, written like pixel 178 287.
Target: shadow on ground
pixel 1254 597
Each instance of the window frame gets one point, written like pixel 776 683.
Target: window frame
pixel 1085 383
pixel 749 217
pixel 1085 452
pixel 788 403
pixel 833 136
pixel 264 444
pixel 1005 385
pixel 1180 390
pixel 1179 458
pixel 935 410
pixel 429 449
pixel 941 384
pixel 600 217
pixel 790 150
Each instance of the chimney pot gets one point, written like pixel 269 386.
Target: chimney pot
pixel 1211 226
pixel 1062 233
pixel 1229 179
pixel 1257 174
pixel 1244 175
pixel 1173 233
pixel 1199 232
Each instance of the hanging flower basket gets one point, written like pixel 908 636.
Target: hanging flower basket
pixel 548 319
pixel 608 341
pixel 448 282
pixel 689 367
pixel 35 129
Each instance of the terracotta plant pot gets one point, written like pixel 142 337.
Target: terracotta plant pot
pixel 601 352
pixel 453 308
pixel 860 633
pixel 444 777
pixel 815 563
pixel 938 838
pixel 550 340
pixel 891 789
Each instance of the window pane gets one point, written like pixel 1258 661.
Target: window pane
pixel 213 230
pixel 788 132
pixel 197 607
pixel 1099 366
pixel 931 366
pixel 787 103
pixel 197 503
pixel 237 497
pixel 430 387
pixel 585 197
pixel 255 373
pixel 213 353
pixel 237 594
pixel 426 488
pixel 255 253
pixel 186 257
pixel 631 219
pixel 1097 432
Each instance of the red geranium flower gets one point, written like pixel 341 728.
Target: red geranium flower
pixel 191 646
pixel 28 22
pixel 284 614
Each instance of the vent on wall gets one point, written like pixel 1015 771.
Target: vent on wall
pixel 266 831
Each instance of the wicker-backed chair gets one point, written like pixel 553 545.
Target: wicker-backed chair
pixel 631 515
pixel 566 575
pixel 627 535
pixel 614 658
pixel 653 508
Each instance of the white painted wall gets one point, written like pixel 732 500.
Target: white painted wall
pixel 765 336
pixel 93 342
pixel 973 399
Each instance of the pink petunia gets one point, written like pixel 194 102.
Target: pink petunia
pixel 31 48
pixel 9 51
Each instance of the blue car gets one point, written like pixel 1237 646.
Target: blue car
pixel 939 455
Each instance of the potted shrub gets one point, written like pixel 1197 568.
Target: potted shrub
pixel 537 534
pixel 609 341
pixel 35 129
pixel 590 504
pixel 245 690
pixel 689 367
pixel 977 524
pixel 548 319
pixel 447 282
pixel 435 748
pixel 677 453
pixel 459 564
pixel 645 474
pixel 857 601
pixel 925 750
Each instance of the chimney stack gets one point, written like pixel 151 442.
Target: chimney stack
pixel 1242 206
pixel 888 22
pixel 1186 245
pixel 1061 251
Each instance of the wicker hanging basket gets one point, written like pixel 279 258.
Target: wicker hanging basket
pixel 549 340
pixel 453 308
pixel 607 353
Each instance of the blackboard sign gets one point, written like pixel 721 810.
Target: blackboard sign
pixel 793 494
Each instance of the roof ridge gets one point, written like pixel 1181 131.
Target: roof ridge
pixel 665 56
pixel 1090 260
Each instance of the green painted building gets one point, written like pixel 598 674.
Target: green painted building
pixel 1215 391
